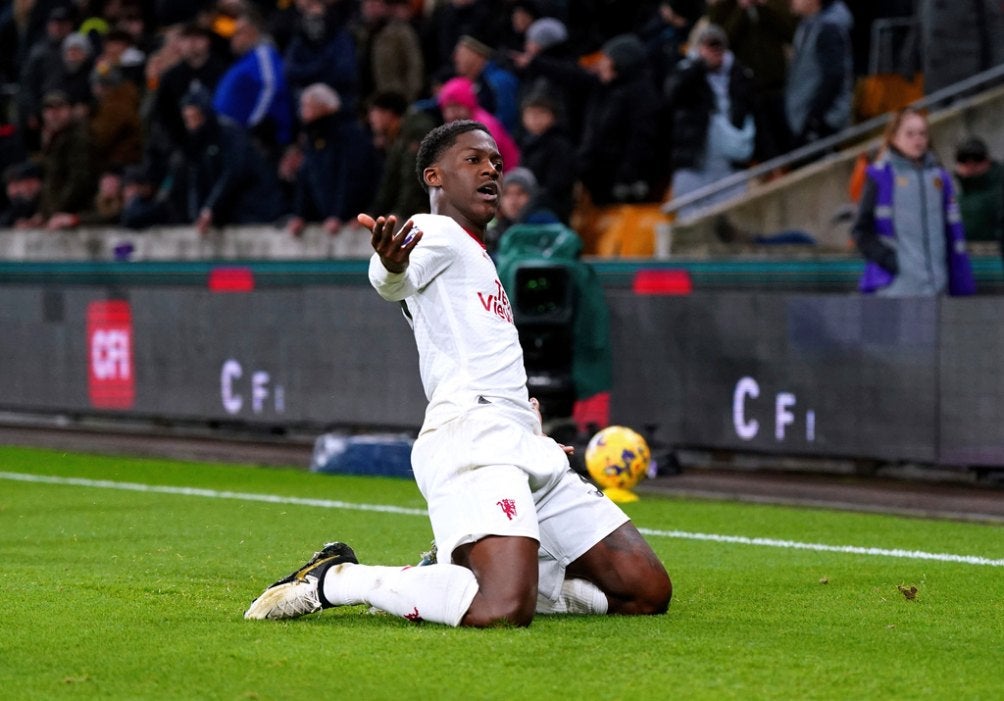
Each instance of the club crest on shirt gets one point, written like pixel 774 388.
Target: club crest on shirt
pixel 508 507
pixel 496 302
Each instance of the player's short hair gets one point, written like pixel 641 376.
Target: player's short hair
pixel 440 139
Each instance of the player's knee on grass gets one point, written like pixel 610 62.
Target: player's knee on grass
pixel 506 570
pixel 626 569
pixel 654 592
pixel 515 609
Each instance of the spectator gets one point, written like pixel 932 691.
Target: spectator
pixel 144 204
pixel 23 183
pixel 338 174
pixel 981 191
pixel 25 25
pixel 617 155
pixel 908 226
pixel 548 66
pixel 496 87
pixel 132 21
pixel 74 76
pixel 666 33
pixel 519 202
pixel 227 179
pixel 253 92
pixel 543 143
pixel 105 209
pixel 390 51
pixel 821 75
pixel 457 101
pixel 163 58
pixel 709 100
pixel 67 161
pixel 197 65
pixel 397 132
pixel 116 128
pixel 760 34
pixel 452 19
pixel 119 50
pixel 44 59
pixel 522 13
pixel 323 50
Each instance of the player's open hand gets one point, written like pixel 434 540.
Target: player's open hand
pixel 393 247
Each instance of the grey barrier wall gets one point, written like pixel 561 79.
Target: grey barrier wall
pixel 793 374
pixel 796 374
pixel 303 356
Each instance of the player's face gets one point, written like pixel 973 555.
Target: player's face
pixel 468 174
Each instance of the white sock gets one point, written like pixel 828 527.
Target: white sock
pixel 439 593
pixel 577 596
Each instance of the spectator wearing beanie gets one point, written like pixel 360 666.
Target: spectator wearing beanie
pixel 519 203
pixel 544 34
pixel 74 75
pixel 547 66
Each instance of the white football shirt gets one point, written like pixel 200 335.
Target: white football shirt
pixel 467 342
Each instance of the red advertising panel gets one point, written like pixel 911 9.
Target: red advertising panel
pixel 111 383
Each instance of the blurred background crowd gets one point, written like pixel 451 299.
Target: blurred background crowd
pixel 297 112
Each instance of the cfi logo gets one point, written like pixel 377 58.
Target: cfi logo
pixel 111 379
pixel 508 507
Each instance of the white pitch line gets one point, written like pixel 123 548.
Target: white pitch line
pixel 210 493
pixel 822 547
pixel 384 508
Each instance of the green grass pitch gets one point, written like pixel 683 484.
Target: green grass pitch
pixel 138 593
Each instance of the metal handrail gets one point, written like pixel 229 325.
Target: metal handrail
pixel 818 151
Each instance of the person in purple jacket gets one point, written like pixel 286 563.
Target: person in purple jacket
pixel 908 227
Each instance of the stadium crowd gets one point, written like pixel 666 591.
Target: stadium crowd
pixel 293 112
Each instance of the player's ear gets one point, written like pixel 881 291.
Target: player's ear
pixel 431 176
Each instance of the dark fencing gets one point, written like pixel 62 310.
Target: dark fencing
pixel 779 373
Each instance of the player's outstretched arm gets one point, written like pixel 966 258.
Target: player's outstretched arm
pixel 393 247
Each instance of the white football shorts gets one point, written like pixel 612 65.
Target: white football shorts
pixel 487 473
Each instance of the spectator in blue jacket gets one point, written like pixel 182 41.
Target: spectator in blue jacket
pixel 253 92
pixel 339 172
